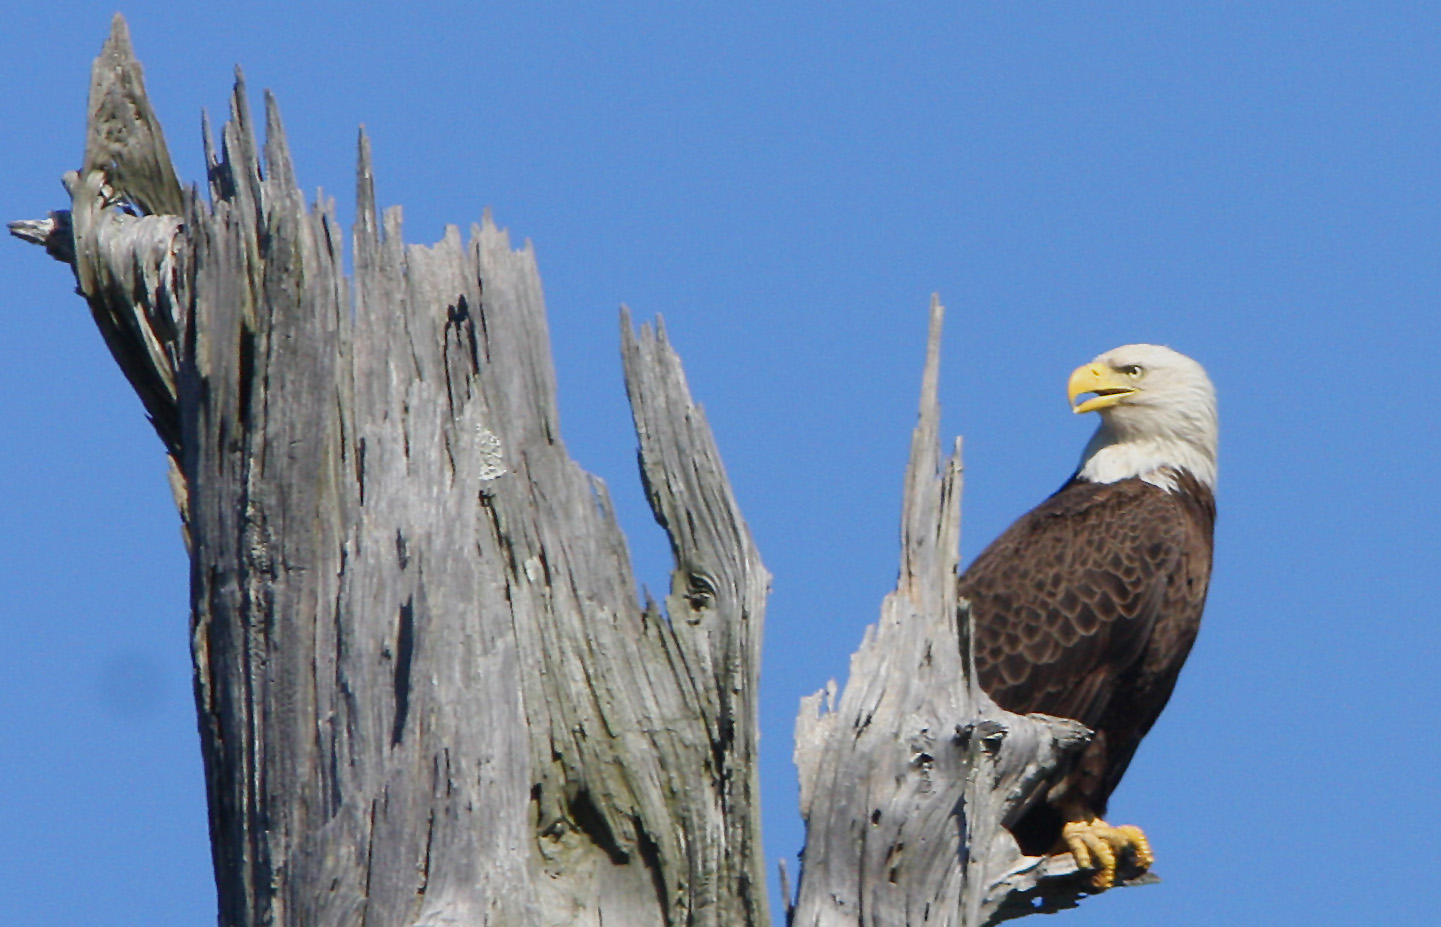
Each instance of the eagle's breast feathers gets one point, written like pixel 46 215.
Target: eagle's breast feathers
pixel 1087 606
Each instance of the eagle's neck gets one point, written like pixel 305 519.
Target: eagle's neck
pixel 1109 458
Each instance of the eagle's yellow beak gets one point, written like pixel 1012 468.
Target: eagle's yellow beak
pixel 1110 387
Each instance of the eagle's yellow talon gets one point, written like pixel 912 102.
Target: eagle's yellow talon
pixel 1077 846
pixel 1097 846
pixel 1079 850
pixel 1140 847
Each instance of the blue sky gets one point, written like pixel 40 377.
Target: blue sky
pixel 1257 186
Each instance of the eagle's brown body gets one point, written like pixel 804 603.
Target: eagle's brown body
pixel 1086 608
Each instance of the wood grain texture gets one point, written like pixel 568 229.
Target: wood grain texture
pixel 427 692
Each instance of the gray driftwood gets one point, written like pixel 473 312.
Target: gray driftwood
pixel 427 694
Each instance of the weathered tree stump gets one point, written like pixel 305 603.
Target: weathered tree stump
pixel 427 694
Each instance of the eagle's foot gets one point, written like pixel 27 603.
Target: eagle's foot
pixel 1100 847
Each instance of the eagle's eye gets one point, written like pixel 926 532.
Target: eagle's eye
pixel 1134 371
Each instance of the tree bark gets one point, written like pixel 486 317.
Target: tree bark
pixel 426 692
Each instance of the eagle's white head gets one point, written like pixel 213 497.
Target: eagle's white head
pixel 1158 415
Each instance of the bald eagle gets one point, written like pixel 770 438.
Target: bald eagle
pixel 1087 606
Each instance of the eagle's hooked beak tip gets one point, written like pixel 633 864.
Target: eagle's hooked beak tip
pixel 1100 381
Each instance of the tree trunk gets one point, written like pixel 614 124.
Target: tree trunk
pixel 426 692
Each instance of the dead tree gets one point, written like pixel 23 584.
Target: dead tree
pixel 426 693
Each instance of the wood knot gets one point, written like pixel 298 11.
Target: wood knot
pixel 986 735
pixel 700 591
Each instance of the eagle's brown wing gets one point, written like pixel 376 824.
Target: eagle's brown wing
pixel 1067 602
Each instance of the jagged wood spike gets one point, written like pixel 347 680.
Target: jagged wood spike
pixel 123 135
